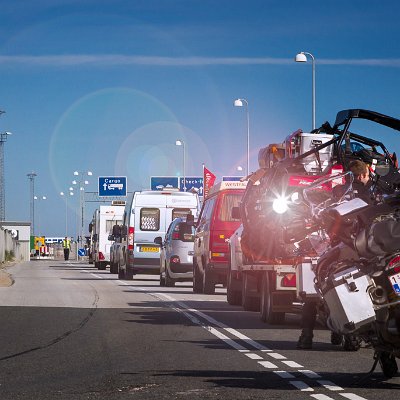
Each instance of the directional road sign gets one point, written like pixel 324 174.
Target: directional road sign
pixel 163 182
pixel 195 182
pixel 112 185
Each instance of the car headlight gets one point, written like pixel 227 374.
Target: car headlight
pixel 280 205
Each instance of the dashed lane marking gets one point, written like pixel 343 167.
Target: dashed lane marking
pixel 330 385
pixel 301 386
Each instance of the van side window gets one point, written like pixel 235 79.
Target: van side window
pixel 150 219
pixel 110 223
pixel 229 201
pixel 207 211
pixel 180 212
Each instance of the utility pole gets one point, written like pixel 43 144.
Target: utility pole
pixel 31 177
pixel 3 139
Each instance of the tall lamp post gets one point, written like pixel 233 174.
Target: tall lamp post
pixel 240 103
pixel 31 177
pixel 182 143
pixel 302 57
pixel 71 193
pixel 3 139
pixel 81 182
pixel 39 198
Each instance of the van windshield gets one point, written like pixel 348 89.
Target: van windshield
pixel 229 200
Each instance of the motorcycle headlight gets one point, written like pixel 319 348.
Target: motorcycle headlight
pixel 280 205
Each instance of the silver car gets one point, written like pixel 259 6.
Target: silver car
pixel 176 256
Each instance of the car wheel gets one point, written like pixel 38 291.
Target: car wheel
pixel 249 301
pixel 121 273
pixel 169 282
pixel 102 265
pixel 197 279
pixel 208 281
pixel 266 313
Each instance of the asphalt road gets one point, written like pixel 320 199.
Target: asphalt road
pixel 68 331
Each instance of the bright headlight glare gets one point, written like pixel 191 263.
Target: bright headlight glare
pixel 280 205
pixel 295 197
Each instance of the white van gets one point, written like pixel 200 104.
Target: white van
pixel 105 219
pixel 147 215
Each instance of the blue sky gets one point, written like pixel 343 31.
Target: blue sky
pixel 108 86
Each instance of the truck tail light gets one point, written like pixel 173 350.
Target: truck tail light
pixel 131 235
pixel 175 235
pixel 289 280
pixel 175 260
pixel 101 256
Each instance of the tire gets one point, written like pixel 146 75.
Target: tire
pixel 249 302
pixel 97 264
pixel 102 265
pixel 388 364
pixel 129 274
pixel 208 281
pixel 266 313
pixel 169 282
pixel 162 280
pixel 121 273
pixel 113 268
pixel 197 279
pixel 233 290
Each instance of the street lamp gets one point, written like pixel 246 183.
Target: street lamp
pixel 182 143
pixel 81 182
pixel 239 103
pixel 31 177
pixel 39 198
pixel 302 57
pixel 3 139
pixel 71 193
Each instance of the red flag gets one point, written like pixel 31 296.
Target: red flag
pixel 208 180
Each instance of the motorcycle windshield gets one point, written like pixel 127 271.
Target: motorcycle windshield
pixel 329 191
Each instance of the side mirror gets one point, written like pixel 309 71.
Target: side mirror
pixel 111 238
pixel 90 227
pixel 235 213
pixel 158 240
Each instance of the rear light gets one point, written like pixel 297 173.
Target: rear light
pixel 131 235
pixel 395 264
pixel 175 260
pixel 337 169
pixel 289 280
pixel 101 256
pixel 218 255
pixel 175 235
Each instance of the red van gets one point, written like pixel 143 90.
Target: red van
pixel 214 228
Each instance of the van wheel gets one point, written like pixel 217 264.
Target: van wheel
pixel 129 274
pixel 102 265
pixel 208 282
pixel 113 268
pixel 169 282
pixel 266 313
pixel 121 273
pixel 234 290
pixel 249 301
pixel 197 279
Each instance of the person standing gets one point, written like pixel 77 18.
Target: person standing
pixel 67 247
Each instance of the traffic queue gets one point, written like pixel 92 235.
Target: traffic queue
pixel 310 231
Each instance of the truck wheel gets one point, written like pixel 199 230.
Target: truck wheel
pixel 129 274
pixel 266 312
pixel 249 301
pixel 233 291
pixel 169 282
pixel 113 268
pixel 197 279
pixel 97 264
pixel 208 282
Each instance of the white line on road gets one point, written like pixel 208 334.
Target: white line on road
pixel 309 374
pixel 301 386
pixel 330 385
pixel 267 364
pixel 321 397
pixel 292 364
pixel 253 356
pixel 284 374
pixel 352 396
pixel 277 356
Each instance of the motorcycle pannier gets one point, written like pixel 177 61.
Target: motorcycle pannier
pixel 348 301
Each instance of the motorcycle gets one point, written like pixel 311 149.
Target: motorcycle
pixel 358 276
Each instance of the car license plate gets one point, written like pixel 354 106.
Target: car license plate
pixel 395 281
pixel 148 249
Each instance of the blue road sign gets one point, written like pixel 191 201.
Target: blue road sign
pixel 163 182
pixel 192 182
pixel 112 185
pixel 81 252
pixel 232 178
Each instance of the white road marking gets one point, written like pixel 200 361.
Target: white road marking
pixel 292 364
pixel 277 356
pixel 352 396
pixel 309 374
pixel 253 356
pixel 301 386
pixel 321 397
pixel 246 339
pixel 267 364
pixel 284 374
pixel 330 385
